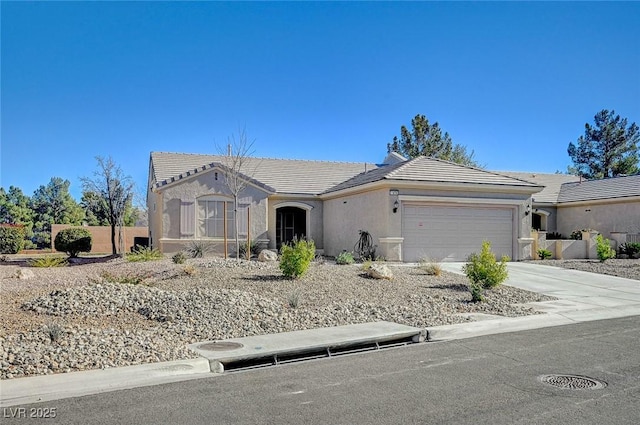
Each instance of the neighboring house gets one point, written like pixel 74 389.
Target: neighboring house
pixel 544 203
pixel 567 203
pixel 414 209
pixel 608 206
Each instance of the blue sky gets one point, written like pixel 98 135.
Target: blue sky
pixel 515 82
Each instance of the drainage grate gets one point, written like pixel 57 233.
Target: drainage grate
pixel 266 361
pixel 220 346
pixel 572 382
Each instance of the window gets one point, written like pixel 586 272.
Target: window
pixel 211 215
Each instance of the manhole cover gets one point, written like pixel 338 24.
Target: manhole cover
pixel 220 346
pixel 572 382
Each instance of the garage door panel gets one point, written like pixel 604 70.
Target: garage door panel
pixel 451 233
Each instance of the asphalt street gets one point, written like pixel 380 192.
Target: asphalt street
pixel 492 379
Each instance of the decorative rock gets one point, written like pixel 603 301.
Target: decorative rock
pixel 267 255
pixel 380 271
pixel 25 274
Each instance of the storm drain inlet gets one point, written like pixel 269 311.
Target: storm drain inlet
pixel 572 382
pixel 220 346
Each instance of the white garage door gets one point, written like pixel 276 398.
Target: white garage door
pixel 451 233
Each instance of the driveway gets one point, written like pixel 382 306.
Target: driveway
pixel 582 296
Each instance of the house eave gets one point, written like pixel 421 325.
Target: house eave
pixel 205 169
pixel 413 184
pixel 603 201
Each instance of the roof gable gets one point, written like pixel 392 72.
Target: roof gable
pixel 426 169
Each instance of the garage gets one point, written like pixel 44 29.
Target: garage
pixel 451 233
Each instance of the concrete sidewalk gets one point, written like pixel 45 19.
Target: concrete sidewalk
pixel 581 297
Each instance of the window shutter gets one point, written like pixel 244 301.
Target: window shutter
pixel 187 218
pixel 243 215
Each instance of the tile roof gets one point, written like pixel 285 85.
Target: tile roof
pixel 589 190
pixel 282 175
pixel 551 183
pixel 424 169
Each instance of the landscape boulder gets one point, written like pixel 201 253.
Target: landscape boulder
pixel 267 255
pixel 24 274
pixel 379 271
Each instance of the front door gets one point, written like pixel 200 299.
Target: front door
pixel 291 223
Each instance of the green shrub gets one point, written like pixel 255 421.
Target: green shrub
pixel 11 239
pixel 144 253
pixel 296 258
pixel 253 251
pixel 576 235
pixel 477 292
pixel 345 258
pixel 48 261
pixel 630 248
pixel 544 253
pixel 603 248
pixel 198 249
pixel 179 258
pixel 484 271
pixel 73 241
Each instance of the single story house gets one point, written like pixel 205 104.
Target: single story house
pixel 568 203
pixel 414 209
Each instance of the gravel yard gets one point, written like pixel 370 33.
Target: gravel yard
pixel 629 269
pixel 79 317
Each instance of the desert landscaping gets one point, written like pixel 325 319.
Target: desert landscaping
pixel 107 312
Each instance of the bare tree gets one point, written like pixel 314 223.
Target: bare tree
pixel 115 192
pixel 238 168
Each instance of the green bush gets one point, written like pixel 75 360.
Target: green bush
pixel 630 248
pixel 198 249
pixel 296 258
pixel 144 253
pixel 555 236
pixel 253 251
pixel 484 271
pixel 345 258
pixel 576 235
pixel 179 258
pixel 73 241
pixel 11 239
pixel 603 248
pixel 544 253
pixel 48 261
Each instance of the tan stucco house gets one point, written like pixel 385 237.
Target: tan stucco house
pixel 414 209
pixel 568 203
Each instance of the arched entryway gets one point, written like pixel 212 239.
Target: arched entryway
pixel 291 223
pixel 539 220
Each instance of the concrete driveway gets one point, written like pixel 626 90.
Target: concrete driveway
pixel 582 296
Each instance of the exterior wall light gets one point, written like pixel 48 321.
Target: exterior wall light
pixel 396 204
pixel 528 210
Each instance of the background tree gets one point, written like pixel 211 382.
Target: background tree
pixel 97 213
pixel 53 204
pixel 113 192
pixel 607 149
pixel 238 168
pixel 15 209
pixel 426 139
